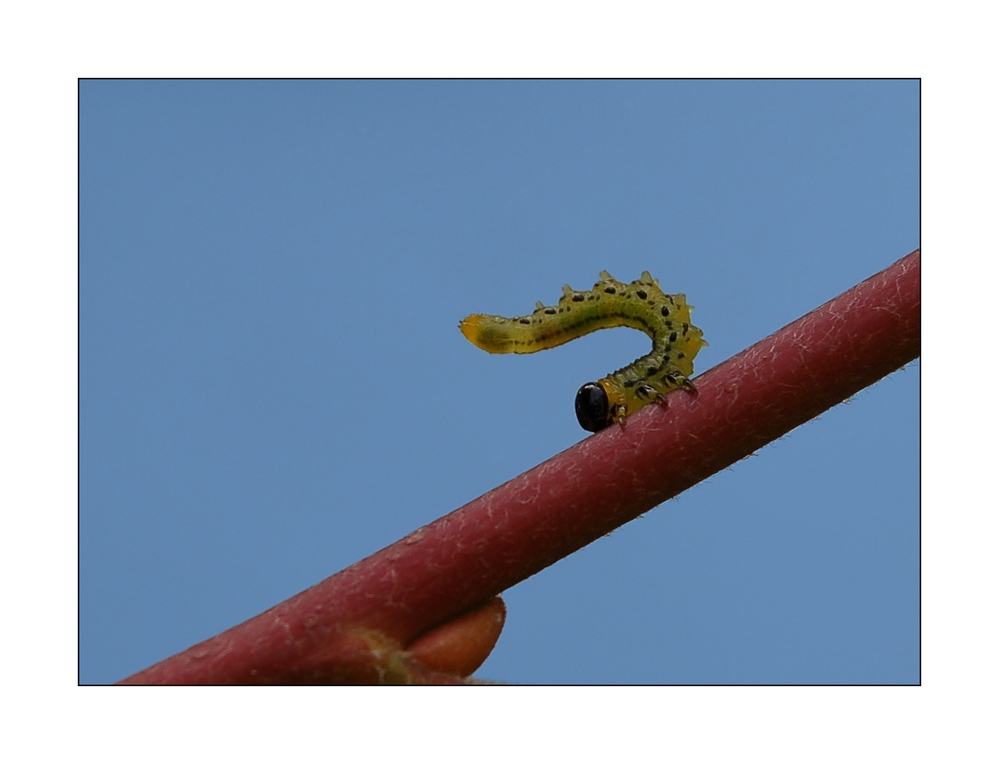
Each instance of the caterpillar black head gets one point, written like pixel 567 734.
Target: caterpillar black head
pixel 593 409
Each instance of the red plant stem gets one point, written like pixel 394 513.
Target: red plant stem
pixel 463 559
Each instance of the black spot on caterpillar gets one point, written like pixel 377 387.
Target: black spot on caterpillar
pixel 639 305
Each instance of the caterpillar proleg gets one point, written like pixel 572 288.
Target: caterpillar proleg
pixel 640 305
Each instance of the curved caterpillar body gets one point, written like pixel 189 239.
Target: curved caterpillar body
pixel 639 305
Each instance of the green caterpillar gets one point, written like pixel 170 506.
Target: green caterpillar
pixel 643 305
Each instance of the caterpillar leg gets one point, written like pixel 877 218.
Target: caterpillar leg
pixel 674 380
pixel 600 404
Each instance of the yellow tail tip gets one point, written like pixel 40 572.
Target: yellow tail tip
pixel 470 327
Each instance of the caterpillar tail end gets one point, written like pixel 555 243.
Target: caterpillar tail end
pixel 471 327
pixel 494 334
pixel 482 332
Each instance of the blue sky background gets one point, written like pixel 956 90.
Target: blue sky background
pixel 273 385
